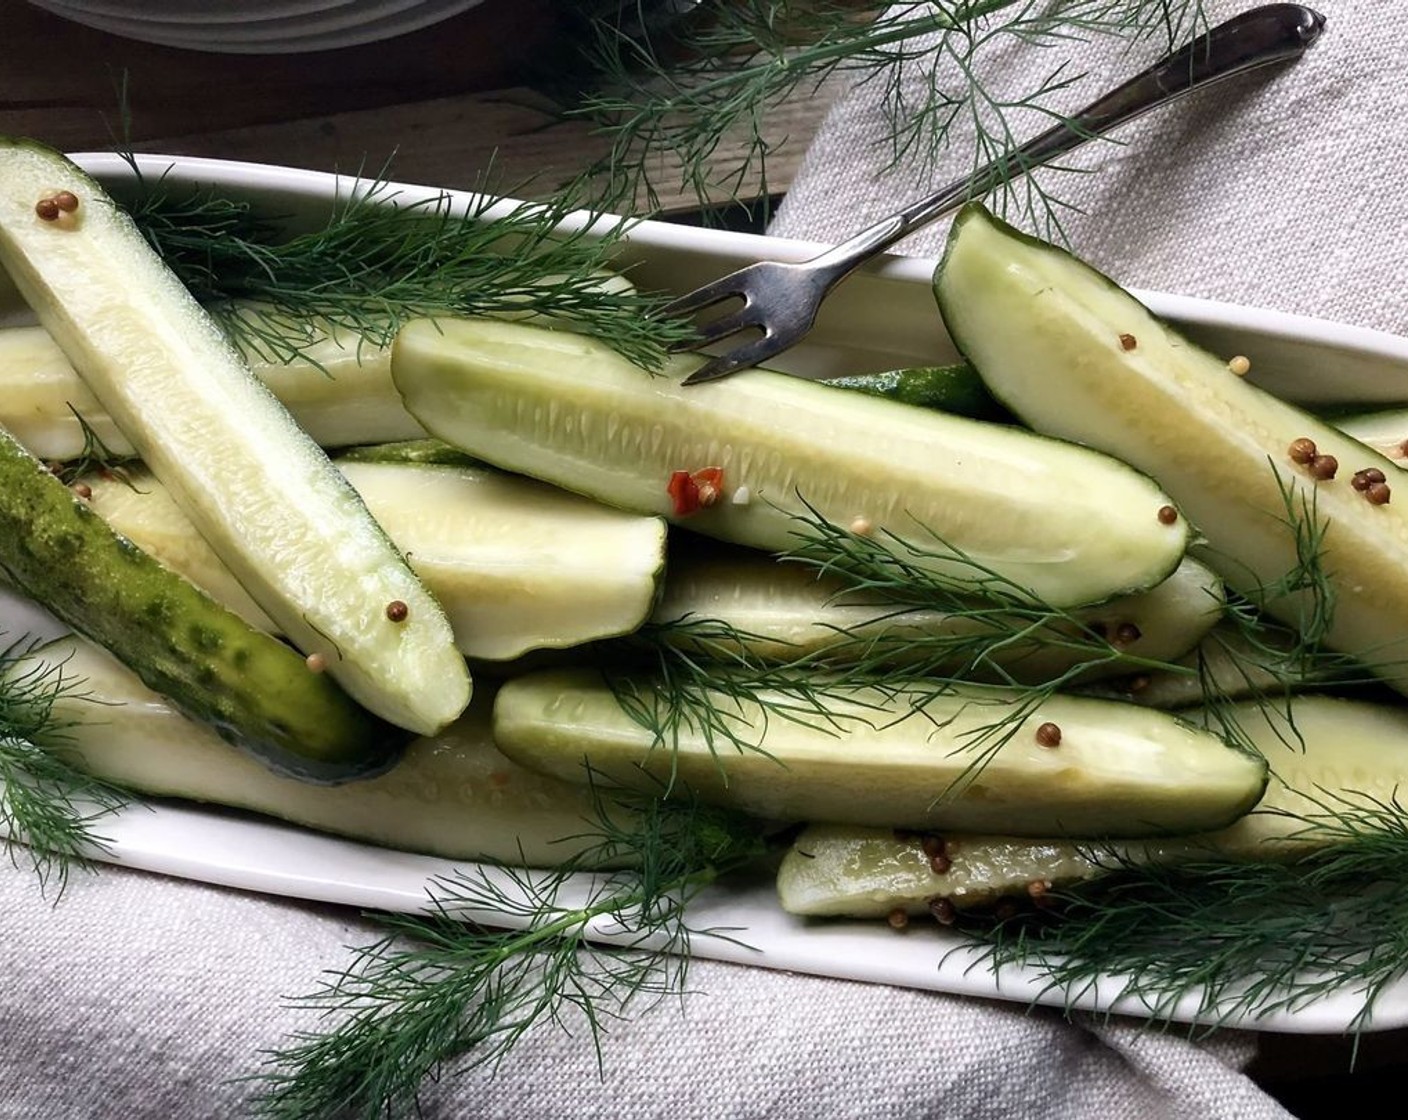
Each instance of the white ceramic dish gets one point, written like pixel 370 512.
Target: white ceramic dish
pixel 882 318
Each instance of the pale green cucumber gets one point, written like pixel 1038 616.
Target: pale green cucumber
pixel 1344 748
pixel 255 485
pixel 339 391
pixel 954 388
pixel 452 795
pixel 1118 770
pixel 515 565
pixel 1089 363
pixel 255 691
pixel 1058 522
pixel 1385 431
pixel 784 611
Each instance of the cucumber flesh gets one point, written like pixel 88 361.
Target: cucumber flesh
pixel 1060 522
pixel 489 546
pixel 1345 748
pixel 256 487
pixel 339 392
pixel 1218 444
pixel 785 611
pixel 255 691
pixel 1386 432
pixel 451 795
pixel 1119 770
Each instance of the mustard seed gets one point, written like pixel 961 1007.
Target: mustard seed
pixel 1048 735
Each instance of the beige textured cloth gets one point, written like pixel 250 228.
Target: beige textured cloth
pixel 140 997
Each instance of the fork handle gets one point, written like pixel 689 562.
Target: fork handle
pixel 1274 33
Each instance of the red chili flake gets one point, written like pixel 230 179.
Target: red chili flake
pixel 684 492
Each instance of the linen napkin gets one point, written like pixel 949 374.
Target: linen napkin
pixel 137 996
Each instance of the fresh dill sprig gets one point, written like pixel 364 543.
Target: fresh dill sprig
pixel 446 988
pixel 380 260
pixel 47 805
pixel 674 95
pixel 1246 939
pixel 94 455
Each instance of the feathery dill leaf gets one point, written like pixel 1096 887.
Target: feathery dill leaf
pixel 676 93
pixel 46 803
pixel 1244 939
pixel 446 989
pixel 379 260
pixel 94 455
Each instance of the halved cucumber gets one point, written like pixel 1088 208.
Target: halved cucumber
pixel 882 758
pixel 452 795
pixel 339 392
pixel 255 691
pixel 955 388
pixel 1089 363
pixel 1335 748
pixel 258 489
pixel 1385 431
pixel 784 611
pixel 1062 523
pixel 489 546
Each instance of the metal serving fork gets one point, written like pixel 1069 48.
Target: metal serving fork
pixel 781 300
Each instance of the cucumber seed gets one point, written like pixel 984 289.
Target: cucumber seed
pixel 1240 365
pixel 1323 467
pixel 1128 341
pixel 1167 515
pixel 1378 494
pixel 1048 735
pixel 1302 451
pixel 397 611
pixel 316 663
pixel 742 496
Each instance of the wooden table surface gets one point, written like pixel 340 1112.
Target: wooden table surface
pixel 440 104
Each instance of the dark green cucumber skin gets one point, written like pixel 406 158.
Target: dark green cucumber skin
pixel 957 389
pixel 256 692
pixel 430 451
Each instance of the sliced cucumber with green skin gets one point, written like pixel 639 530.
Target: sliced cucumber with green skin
pixel 489 546
pixel 255 485
pixel 451 795
pixel 1118 770
pixel 339 392
pixel 784 611
pixel 1345 748
pixel 253 690
pixel 1386 432
pixel 433 452
pixel 1063 523
pixel 1091 364
pixel 954 388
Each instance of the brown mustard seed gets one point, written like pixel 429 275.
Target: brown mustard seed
pixel 47 210
pixel 1128 342
pixel 83 490
pixel 66 201
pixel 1048 735
pixel 1324 467
pixel 397 611
pixel 1362 480
pixel 897 918
pixel 940 864
pixel 1240 365
pixel 316 663
pixel 1302 451
pixel 944 911
pixel 932 845
pixel 1037 887
pixel 1167 515
pixel 1126 634
pixel 1402 452
pixel 1137 683
pixel 1378 494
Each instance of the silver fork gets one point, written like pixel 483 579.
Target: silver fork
pixel 781 300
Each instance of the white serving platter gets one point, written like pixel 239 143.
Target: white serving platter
pixel 883 318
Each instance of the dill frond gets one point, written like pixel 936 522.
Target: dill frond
pixel 48 807
pixel 379 260
pixel 446 988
